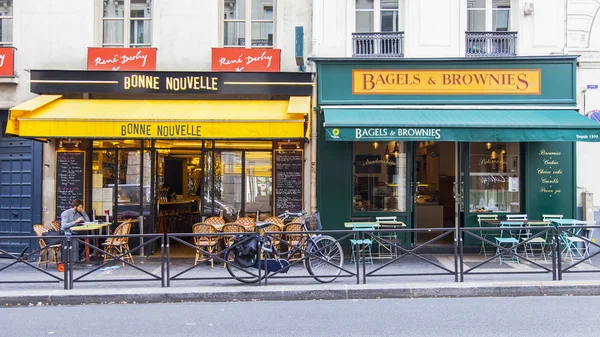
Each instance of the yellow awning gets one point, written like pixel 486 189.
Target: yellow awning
pixel 50 116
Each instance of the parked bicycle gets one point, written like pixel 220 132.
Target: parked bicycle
pixel 322 254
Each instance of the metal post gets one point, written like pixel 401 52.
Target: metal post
pixel 162 261
pixel 69 262
pixel 558 254
pixel 362 254
pixel 166 238
pixel 259 255
pixel 553 255
pixel 65 262
pixel 357 258
pixel 141 225
pixel 461 246
pixel 455 255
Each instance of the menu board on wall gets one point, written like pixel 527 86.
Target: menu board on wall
pixel 288 180
pixel 550 179
pixel 70 179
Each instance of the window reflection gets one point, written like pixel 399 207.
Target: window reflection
pixel 494 177
pixel 379 177
pixel 259 182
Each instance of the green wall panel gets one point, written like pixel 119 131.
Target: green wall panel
pixel 550 179
pixel 334 81
pixel 334 181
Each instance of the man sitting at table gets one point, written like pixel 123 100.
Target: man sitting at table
pixel 74 216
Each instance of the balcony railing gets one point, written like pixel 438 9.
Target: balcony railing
pixel 491 44
pixel 383 44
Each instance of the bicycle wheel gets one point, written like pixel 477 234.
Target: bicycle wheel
pixel 326 259
pixel 242 274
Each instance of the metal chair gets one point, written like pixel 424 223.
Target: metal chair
pixel 485 234
pixel 507 238
pixel 366 243
pixel 511 217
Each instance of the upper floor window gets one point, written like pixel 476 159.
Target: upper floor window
pixel 248 23
pixel 127 23
pixel 379 16
pixel 6 23
pixel 488 15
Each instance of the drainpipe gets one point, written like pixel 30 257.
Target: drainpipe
pixel 315 32
pixel 313 151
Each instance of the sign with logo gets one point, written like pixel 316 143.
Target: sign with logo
pixel 370 134
pixel 245 59
pixel 453 82
pixel 171 82
pixel 7 61
pixel 121 59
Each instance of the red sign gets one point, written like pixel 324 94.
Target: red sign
pixel 245 59
pixel 7 61
pixel 121 58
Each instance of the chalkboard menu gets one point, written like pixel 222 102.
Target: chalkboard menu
pixel 70 168
pixel 288 180
pixel 550 182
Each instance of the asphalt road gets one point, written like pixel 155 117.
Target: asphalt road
pixel 521 316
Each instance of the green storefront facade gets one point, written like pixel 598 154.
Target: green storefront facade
pixel 435 142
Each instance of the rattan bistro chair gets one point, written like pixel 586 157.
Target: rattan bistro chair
pixel 247 222
pixel 232 227
pixel 45 253
pixel 55 225
pixel 119 245
pixel 208 243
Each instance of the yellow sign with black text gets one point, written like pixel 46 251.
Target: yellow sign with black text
pixel 54 117
pixel 447 82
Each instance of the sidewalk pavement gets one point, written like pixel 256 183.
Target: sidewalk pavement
pixel 297 292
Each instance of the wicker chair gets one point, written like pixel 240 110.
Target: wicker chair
pixel 274 220
pixel 55 225
pixel 247 222
pixel 274 237
pixel 216 221
pixel 209 243
pixel 232 227
pixel 295 239
pixel 45 253
pixel 117 246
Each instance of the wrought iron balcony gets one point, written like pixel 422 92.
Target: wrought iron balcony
pixel 383 44
pixel 492 44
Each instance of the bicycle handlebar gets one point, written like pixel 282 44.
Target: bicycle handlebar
pixel 288 214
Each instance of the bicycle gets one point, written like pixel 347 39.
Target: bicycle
pixel 319 252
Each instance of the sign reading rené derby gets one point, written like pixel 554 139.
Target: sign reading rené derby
pixel 161 82
pixel 453 82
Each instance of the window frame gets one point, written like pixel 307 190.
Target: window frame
pixel 377 11
pixel 127 20
pixel 248 21
pixel 8 17
pixel 490 11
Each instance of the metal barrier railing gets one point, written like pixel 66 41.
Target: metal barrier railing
pixel 561 242
pixel 444 232
pixel 24 258
pixel 511 250
pixel 311 254
pixel 569 240
pixel 215 256
pixel 148 239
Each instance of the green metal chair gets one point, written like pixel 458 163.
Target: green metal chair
pixel 366 243
pixel 485 234
pixel 507 237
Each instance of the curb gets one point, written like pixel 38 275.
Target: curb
pixel 294 293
